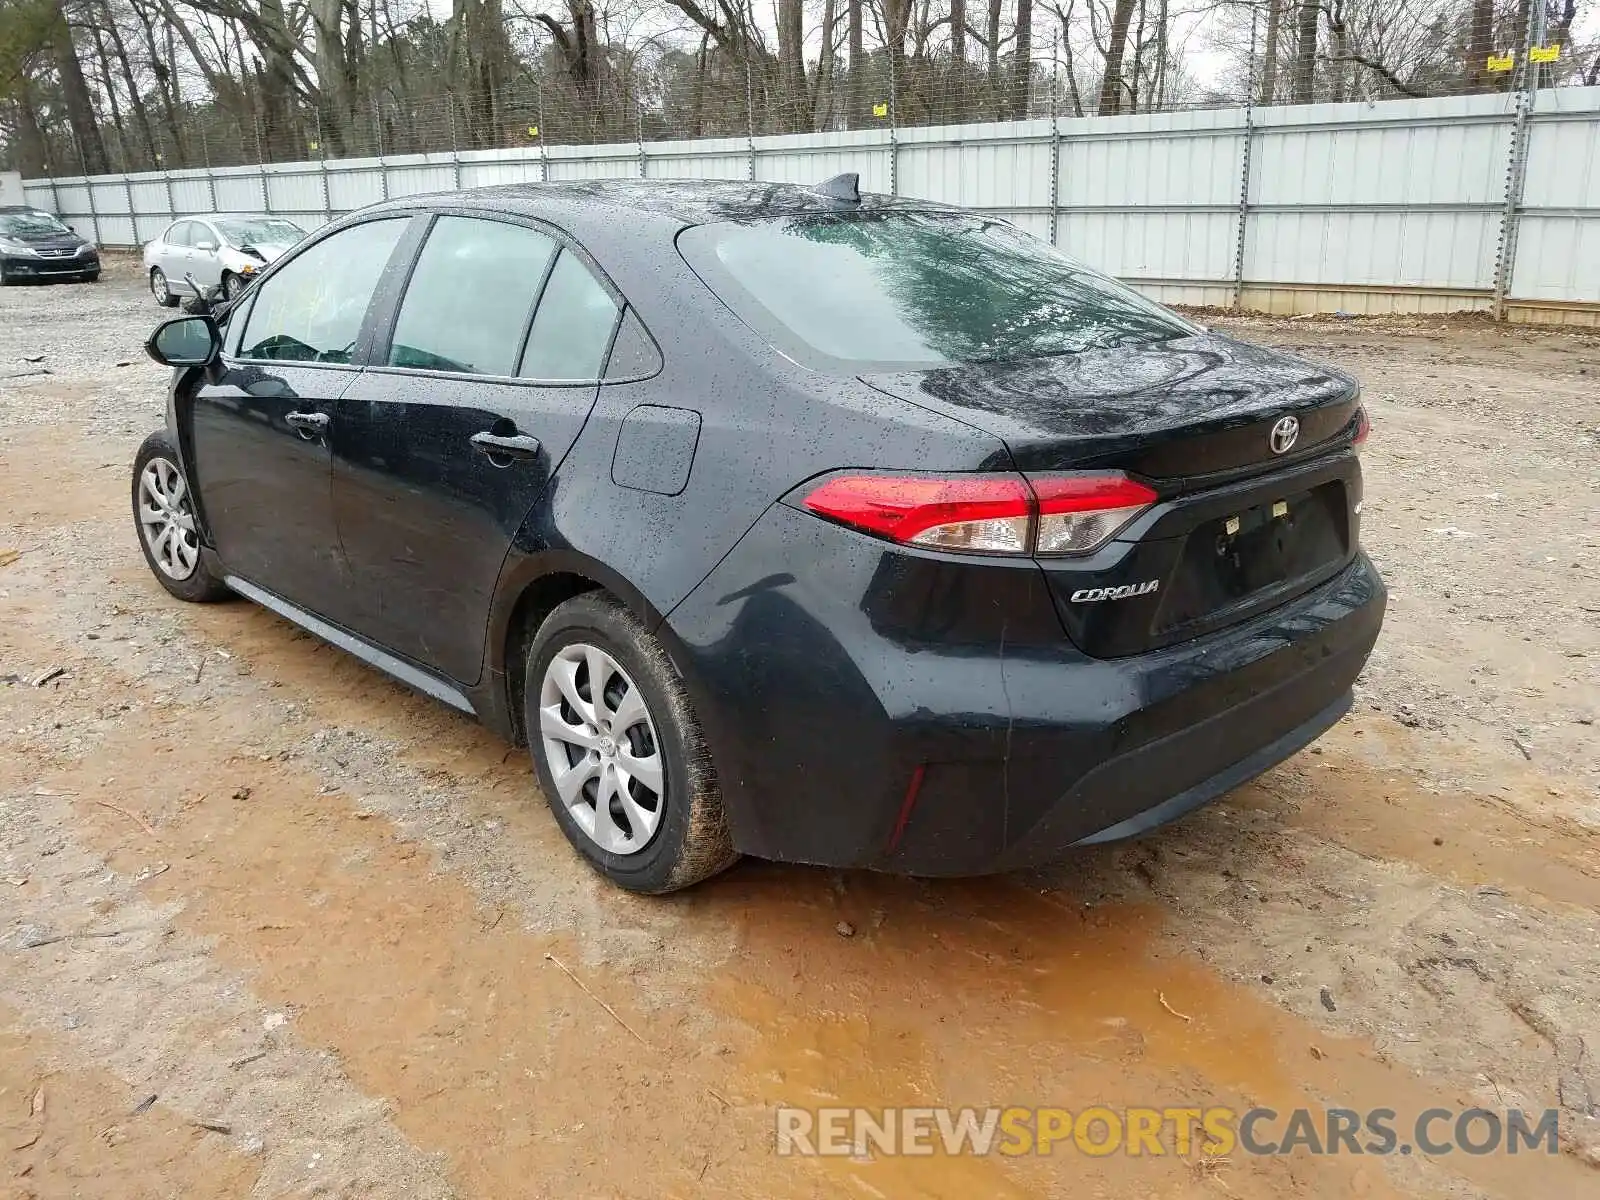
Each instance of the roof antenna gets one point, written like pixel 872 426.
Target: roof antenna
pixel 846 187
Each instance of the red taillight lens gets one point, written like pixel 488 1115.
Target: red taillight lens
pixel 1080 513
pixel 987 514
pixel 1363 428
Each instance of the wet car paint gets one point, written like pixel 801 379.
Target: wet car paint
pixel 867 704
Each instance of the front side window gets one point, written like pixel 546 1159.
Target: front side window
pixel 313 308
pixel 572 329
pixel 865 290
pixel 467 305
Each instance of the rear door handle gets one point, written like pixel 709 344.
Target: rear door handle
pixel 308 424
pixel 516 445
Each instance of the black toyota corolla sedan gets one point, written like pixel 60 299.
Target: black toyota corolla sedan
pixel 782 521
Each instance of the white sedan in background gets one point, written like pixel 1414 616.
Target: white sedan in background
pixel 220 250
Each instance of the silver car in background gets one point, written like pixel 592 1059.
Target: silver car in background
pixel 221 250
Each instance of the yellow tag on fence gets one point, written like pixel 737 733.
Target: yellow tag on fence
pixel 1499 63
pixel 880 110
pixel 533 131
pixel 1543 54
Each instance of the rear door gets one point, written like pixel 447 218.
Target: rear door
pixel 257 438
pixel 479 383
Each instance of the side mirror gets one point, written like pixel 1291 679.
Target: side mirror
pixel 185 342
pixel 207 246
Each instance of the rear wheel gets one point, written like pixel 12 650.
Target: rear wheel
pixel 163 513
pixel 161 289
pixel 619 752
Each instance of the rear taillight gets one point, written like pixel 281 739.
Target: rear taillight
pixel 1080 513
pixel 1363 428
pixel 986 514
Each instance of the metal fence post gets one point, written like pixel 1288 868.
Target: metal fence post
pixel 322 160
pixel 166 175
pixel 544 154
pixel 383 167
pixel 644 170
pixel 1055 150
pixel 750 121
pixel 1244 170
pixel 455 148
pixel 1505 264
pixel 211 180
pixel 894 137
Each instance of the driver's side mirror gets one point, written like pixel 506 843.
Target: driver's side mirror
pixel 185 342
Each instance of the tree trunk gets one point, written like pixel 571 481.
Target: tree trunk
pixel 1022 62
pixel 1112 88
pixel 1269 56
pixel 1480 45
pixel 32 151
pixel 141 111
pixel 958 35
pixel 75 91
pixel 112 102
pixel 993 30
pixel 791 64
pixel 1305 52
pixel 856 108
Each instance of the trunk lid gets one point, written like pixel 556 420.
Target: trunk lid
pixel 1242 524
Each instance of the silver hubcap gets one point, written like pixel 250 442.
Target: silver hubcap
pixel 158 285
pixel 166 522
pixel 601 746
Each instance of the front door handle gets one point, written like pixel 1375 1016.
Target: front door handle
pixel 308 424
pixel 516 445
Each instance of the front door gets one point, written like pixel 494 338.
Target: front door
pixel 258 437
pixel 452 433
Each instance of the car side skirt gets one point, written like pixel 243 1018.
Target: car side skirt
pixel 415 677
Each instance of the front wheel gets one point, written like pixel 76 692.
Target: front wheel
pixel 619 752
pixel 232 286
pixel 163 514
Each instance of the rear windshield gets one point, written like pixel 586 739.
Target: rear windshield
pixel 897 290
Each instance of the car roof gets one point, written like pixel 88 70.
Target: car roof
pixel 678 201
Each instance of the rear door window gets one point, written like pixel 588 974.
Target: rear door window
pixel 313 307
pixel 178 235
pixel 467 306
pixel 573 327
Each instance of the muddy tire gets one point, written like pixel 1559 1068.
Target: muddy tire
pixel 620 755
pixel 164 522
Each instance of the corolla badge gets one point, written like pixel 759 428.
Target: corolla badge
pixel 1284 434
pixel 1090 595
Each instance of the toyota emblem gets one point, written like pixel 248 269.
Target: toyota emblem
pixel 1284 434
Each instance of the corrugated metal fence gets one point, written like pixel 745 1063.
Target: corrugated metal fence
pixel 1477 202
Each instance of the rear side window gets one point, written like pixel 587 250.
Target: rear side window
pixel 178 235
pixel 572 329
pixel 467 305
pixel 312 309
pixel 865 290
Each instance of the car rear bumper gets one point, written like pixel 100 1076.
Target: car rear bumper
pixel 923 714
